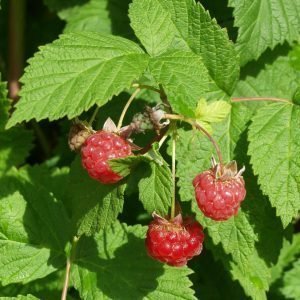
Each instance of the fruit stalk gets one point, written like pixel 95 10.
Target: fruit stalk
pixel 173 173
pixel 132 97
pixel 200 128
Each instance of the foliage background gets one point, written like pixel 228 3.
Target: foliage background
pixel 46 198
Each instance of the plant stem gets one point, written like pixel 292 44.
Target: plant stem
pixel 173 173
pixel 147 87
pixel 68 268
pixel 200 128
pixel 244 99
pixel 16 45
pixel 42 139
pixel 92 119
pixel 126 107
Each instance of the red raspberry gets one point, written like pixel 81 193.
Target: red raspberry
pixel 219 192
pixel 174 241
pixel 98 149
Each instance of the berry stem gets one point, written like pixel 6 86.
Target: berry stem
pixel 126 108
pixel 173 172
pixel 92 119
pixel 200 128
pixel 245 99
pixel 70 259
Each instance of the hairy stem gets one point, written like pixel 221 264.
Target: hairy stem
pixel 93 117
pixel 200 128
pixel 173 173
pixel 245 99
pixel 126 107
pixel 68 268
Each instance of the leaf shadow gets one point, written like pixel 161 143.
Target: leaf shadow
pixel 128 273
pixel 44 221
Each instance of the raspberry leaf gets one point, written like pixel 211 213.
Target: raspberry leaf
pixel 276 126
pixel 94 205
pixel 37 237
pixel 264 24
pixel 155 188
pixel 184 77
pixel 120 250
pixel 20 297
pixel 158 26
pixel 75 72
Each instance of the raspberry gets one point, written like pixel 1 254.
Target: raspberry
pixel 219 191
pixel 174 241
pixel 98 149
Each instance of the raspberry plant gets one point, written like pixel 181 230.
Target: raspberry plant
pixel 184 81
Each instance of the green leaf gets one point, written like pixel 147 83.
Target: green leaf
pixel 124 166
pixel 184 77
pixel 212 112
pixel 274 148
pixel 155 188
pixel 34 227
pixel 20 297
pixel 93 205
pixel 276 78
pixel 109 266
pixel 92 16
pixel 288 253
pixel 184 24
pixel 291 280
pixel 264 24
pixel 4 104
pixel 75 72
pixel 15 145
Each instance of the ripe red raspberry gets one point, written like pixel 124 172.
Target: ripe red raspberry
pixel 219 191
pixel 174 241
pixel 98 149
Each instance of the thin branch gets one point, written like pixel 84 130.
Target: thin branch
pixel 93 117
pixel 200 128
pixel 16 45
pixel 126 107
pixel 245 99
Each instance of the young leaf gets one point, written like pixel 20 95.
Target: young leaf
pixel 184 76
pixel 75 72
pixel 213 112
pixel 264 24
pixel 274 137
pixel 93 205
pixel 110 265
pixel 184 24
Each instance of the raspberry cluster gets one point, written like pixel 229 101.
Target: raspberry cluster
pixel 98 149
pixel 174 241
